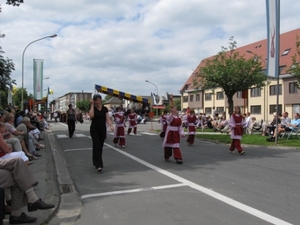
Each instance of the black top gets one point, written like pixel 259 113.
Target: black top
pixel 99 121
pixel 71 114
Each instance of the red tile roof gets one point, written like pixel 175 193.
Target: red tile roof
pixel 259 48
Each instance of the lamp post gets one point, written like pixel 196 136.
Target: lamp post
pixel 156 94
pixel 22 96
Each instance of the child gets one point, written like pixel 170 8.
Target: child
pixel 236 124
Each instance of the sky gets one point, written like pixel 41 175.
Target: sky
pixel 121 43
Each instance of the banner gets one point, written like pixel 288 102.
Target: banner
pixel 154 98
pixel 38 78
pixel 273 33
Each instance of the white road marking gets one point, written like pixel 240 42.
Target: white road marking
pixel 77 149
pixel 80 135
pixel 131 191
pixel 148 133
pixel 61 136
pixel 223 198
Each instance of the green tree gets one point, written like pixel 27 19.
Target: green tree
pixel 83 105
pixel 6 68
pixel 17 97
pixel 295 67
pixel 14 2
pixel 230 71
pixel 177 103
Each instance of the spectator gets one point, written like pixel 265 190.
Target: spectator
pixel 15 175
pixel 269 128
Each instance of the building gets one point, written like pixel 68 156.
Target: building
pixel 62 103
pixel 261 103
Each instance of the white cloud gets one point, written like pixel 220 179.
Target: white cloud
pixel 121 43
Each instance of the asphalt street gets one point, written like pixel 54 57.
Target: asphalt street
pixel 138 187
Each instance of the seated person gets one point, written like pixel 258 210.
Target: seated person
pixel 285 119
pixel 294 123
pixel 15 175
pixel 6 151
pixel 9 120
pixel 269 128
pixel 221 124
pixel 254 124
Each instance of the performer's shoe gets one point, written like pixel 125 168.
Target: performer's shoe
pixel 23 218
pixel 242 152
pixel 122 146
pixel 178 161
pixel 39 204
pixel 167 160
pixel 99 169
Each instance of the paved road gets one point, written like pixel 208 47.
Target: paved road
pixel 211 187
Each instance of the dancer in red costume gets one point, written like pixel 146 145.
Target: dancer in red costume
pixel 132 118
pixel 172 138
pixel 163 122
pixel 191 121
pixel 119 135
pixel 236 123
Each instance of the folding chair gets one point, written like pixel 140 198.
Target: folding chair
pixel 294 133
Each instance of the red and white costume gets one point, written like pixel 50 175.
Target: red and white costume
pixel 172 137
pixel 132 118
pixel 119 134
pixel 191 121
pixel 236 123
pixel 163 123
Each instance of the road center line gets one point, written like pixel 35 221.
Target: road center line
pixel 131 191
pixel 223 198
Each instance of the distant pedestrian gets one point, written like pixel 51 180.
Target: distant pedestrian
pixel 191 121
pixel 236 124
pixel 71 120
pixel 119 135
pixel 172 138
pixel 99 117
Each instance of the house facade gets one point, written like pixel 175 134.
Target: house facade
pixel 260 102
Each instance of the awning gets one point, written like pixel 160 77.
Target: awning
pixel 120 94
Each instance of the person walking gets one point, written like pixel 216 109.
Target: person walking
pixel 71 120
pixel 119 135
pixel 236 124
pixel 163 123
pixel 191 122
pixel 132 118
pixel 99 117
pixel 172 137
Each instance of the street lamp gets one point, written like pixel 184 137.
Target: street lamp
pixel 22 96
pixel 156 94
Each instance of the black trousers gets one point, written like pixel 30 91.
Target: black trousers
pixel 71 127
pixel 98 141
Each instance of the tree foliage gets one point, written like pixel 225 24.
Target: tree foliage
pixel 230 71
pixel 17 97
pixel 6 68
pixel 14 2
pixel 295 67
pixel 83 105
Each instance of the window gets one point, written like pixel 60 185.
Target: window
pixel 255 109
pixel 239 94
pixel 220 110
pixel 208 97
pixel 273 89
pixel 273 108
pixel 286 51
pixel 293 88
pixel 185 99
pixel 207 111
pixel 197 97
pixel 191 98
pixel 255 92
pixel 220 95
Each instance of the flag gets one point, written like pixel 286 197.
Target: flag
pixel 50 92
pixel 273 34
pixel 38 78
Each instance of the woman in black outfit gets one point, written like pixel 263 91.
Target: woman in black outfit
pixel 71 120
pixel 100 117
